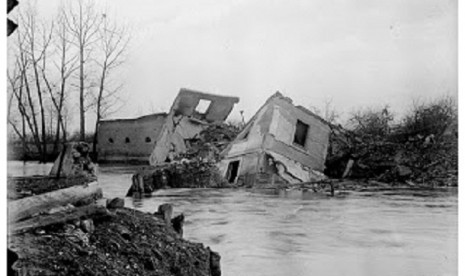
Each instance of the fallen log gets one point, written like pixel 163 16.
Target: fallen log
pixel 84 212
pixel 27 207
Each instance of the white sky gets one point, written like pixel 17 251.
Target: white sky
pixel 355 53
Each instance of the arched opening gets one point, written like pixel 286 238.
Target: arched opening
pixel 127 140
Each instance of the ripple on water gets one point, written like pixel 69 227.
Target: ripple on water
pixel 392 233
pixel 217 238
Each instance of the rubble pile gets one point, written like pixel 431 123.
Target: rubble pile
pixel 196 168
pixel 418 159
pixel 178 174
pixel 62 228
pixel 74 160
pixel 211 141
pixel 122 242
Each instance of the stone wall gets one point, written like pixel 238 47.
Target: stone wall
pixel 129 139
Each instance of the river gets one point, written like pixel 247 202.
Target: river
pixel 300 233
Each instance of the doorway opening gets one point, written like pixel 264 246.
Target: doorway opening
pixel 233 169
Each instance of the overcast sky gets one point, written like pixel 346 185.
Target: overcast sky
pixel 355 53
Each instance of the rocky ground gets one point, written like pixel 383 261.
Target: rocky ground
pixel 125 242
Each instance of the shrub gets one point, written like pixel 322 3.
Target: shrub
pixel 431 118
pixel 371 123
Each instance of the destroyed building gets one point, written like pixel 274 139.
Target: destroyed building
pixel 126 140
pixel 191 112
pixel 282 143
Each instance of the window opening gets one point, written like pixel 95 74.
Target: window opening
pixel 127 140
pixel 111 140
pixel 202 107
pixel 301 131
pixel 148 140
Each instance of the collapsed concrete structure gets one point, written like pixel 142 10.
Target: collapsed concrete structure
pixel 191 112
pixel 281 143
pixel 126 140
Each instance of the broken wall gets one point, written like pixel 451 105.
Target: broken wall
pixel 129 139
pixel 280 138
pixel 271 132
pixel 185 121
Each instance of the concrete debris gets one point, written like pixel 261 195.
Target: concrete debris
pixel 87 225
pixel 115 203
pixel 177 174
pixel 165 211
pixel 74 160
pixel 190 113
pixel 178 223
pixel 281 144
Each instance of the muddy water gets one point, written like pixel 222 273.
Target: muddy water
pixel 293 233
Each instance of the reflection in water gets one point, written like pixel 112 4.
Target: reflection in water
pixel 295 233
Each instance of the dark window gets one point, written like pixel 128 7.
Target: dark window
pixel 233 169
pixel 127 140
pixel 148 140
pixel 301 130
pixel 111 140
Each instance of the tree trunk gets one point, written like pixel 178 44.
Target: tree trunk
pixel 81 95
pixel 34 127
pixel 29 206
pixel 99 105
pixel 83 212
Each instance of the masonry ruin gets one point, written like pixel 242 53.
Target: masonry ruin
pixel 129 140
pixel 191 112
pixel 282 143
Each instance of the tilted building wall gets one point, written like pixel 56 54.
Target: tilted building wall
pixel 267 146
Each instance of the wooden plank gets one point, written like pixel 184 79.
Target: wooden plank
pixel 27 207
pixel 89 211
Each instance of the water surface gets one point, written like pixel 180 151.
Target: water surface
pixel 295 233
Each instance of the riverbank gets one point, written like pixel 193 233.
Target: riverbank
pixel 124 242
pixel 57 227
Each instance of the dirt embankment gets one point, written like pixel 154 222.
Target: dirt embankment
pixel 124 242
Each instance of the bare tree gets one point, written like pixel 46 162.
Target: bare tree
pixel 47 56
pixel 66 65
pixel 113 41
pixel 83 26
pixel 24 94
pixel 37 39
pixel 16 87
pixel 331 115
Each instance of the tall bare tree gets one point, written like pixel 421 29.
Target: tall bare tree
pixel 66 64
pixel 81 39
pixel 113 43
pixel 83 25
pixel 24 95
pixel 37 37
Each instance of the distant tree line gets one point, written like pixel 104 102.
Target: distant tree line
pixel 53 63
